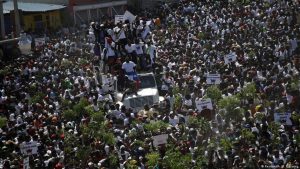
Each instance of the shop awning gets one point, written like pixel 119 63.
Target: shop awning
pixel 31 7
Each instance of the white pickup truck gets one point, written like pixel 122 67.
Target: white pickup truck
pixel 147 93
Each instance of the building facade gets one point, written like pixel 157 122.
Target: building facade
pixel 84 11
pixel 33 16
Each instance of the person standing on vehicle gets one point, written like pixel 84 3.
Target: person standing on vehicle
pixel 139 49
pixel 129 68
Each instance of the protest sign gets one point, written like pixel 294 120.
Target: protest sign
pixel 283 118
pixel 119 18
pixel 213 78
pixel 202 104
pixel 148 23
pixel 160 139
pixel 129 16
pixel 29 148
pixel 230 58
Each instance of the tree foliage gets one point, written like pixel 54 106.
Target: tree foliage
pixel 155 126
pixel 176 160
pixel 200 124
pixel 248 91
pixel 231 105
pixel 3 121
pixel 214 93
pixel 37 98
pixel 152 159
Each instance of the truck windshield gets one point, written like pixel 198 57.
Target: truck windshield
pixel 147 82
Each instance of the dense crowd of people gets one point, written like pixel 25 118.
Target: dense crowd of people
pixel 41 97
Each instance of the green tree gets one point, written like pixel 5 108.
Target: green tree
pixel 37 98
pixel 69 115
pixel 176 160
pixel 231 105
pixel 247 135
pixel 113 160
pixel 97 116
pixel 200 124
pixel 177 102
pixel 248 92
pixel 3 121
pixel 79 108
pixel 226 143
pixel 214 93
pixel 152 159
pixel 155 126
pixel 4 71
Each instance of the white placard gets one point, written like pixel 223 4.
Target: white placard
pixel 39 41
pixel 119 18
pixel 213 79
pixel 148 23
pixel 29 148
pixel 128 15
pixel 204 104
pixel 26 163
pixel 160 139
pixel 230 58
pixel 283 118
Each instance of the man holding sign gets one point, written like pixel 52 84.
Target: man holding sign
pixel 213 79
pixel 202 104
pixel 230 58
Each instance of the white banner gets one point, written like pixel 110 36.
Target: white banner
pixel 213 79
pixel 230 58
pixel 119 18
pixel 160 139
pixel 39 41
pixel 283 118
pixel 29 148
pixel 148 23
pixel 26 163
pixel 204 104
pixel 128 15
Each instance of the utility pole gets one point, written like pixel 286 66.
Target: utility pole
pixel 17 18
pixel 2 27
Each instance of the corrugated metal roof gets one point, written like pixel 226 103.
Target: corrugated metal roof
pixel 30 7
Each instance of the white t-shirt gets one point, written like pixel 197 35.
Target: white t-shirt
pixel 174 121
pixel 150 51
pixel 122 34
pixel 128 67
pixel 130 48
pixel 139 48
pixel 110 51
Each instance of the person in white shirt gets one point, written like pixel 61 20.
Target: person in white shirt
pixel 130 50
pixel 151 51
pixel 129 68
pixel 140 53
pixel 110 55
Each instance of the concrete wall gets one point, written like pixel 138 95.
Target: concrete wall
pixel 51 19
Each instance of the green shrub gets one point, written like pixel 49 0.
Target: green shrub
pixel 79 108
pixel 175 160
pixel 226 144
pixel 248 91
pixel 231 105
pixel 69 115
pixel 152 159
pixel 3 121
pixel 155 126
pixel 214 93
pixel 37 98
